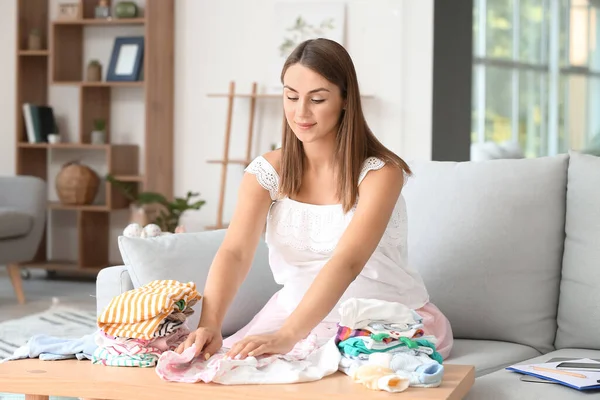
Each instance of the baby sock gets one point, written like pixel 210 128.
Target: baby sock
pixel 376 377
pixel 419 369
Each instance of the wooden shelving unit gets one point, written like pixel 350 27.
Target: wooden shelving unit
pixel 60 62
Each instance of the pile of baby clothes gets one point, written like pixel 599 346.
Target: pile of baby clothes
pixel 141 324
pixel 383 346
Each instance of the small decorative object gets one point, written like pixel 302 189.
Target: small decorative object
pixel 53 138
pixel 94 71
pixel 77 184
pixel 99 133
pixel 166 214
pixel 34 41
pixel 126 9
pixel 127 59
pixel 135 230
pixel 102 10
pixel 68 11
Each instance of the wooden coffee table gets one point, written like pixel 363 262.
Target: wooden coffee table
pixel 40 379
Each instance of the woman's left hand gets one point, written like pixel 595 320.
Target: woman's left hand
pixel 276 343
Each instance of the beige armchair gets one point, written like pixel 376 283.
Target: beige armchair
pixel 22 223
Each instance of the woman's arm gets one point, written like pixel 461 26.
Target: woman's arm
pixel 378 194
pixel 234 257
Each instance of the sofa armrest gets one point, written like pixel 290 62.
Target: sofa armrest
pixel 111 282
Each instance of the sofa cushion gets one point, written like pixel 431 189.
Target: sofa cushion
pixel 488 239
pixel 578 306
pixel 488 355
pixel 14 223
pixel 187 257
pixel 507 385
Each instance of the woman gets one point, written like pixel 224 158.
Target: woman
pixel 336 221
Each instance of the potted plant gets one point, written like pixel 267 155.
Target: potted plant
pixel 99 133
pixel 94 71
pixel 166 214
pixel 34 41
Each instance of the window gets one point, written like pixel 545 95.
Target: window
pixel 536 74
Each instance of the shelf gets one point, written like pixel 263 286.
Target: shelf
pixel 76 146
pixel 100 84
pixel 34 53
pixel 241 162
pixel 266 95
pixel 129 178
pixel 54 205
pixel 100 22
pixel 247 95
pixel 60 265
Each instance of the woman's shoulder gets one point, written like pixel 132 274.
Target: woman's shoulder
pixel 268 162
pixel 274 159
pixel 379 170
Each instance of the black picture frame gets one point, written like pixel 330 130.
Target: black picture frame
pixel 127 58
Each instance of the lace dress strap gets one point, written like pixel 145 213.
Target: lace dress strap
pixel 265 174
pixel 371 163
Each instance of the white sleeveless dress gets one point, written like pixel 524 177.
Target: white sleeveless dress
pixel 301 238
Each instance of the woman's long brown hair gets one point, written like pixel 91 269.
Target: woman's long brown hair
pixel 355 141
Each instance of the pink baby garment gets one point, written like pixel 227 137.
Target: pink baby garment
pixel 305 362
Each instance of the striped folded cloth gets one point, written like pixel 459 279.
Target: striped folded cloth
pixel 139 312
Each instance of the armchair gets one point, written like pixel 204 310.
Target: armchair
pixel 22 223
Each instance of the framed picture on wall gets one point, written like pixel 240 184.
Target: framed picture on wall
pixel 127 59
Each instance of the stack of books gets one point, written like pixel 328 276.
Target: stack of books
pixel 39 122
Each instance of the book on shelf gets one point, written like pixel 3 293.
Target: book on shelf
pixel 39 122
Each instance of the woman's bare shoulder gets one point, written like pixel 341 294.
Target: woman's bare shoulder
pixel 274 158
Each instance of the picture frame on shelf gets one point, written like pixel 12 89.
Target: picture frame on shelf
pixel 127 59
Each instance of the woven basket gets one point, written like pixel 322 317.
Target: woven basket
pixel 77 184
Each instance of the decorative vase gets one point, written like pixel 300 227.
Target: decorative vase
pixel 34 41
pixel 102 10
pixel 77 184
pixel 98 137
pixel 126 9
pixel 94 71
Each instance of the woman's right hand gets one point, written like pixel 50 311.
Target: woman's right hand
pixel 208 341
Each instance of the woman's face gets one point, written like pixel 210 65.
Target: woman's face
pixel 311 103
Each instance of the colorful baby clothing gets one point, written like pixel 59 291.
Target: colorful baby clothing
pixel 344 333
pixel 129 346
pixel 167 327
pixel 417 369
pixel 104 357
pixel 138 313
pixel 357 313
pixel 305 362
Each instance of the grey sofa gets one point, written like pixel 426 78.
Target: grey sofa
pixel 22 222
pixel 509 250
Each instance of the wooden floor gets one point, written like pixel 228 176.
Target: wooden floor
pixel 39 292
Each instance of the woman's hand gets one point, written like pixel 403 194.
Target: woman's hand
pixel 276 343
pixel 207 340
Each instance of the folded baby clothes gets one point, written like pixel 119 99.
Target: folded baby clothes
pixel 357 345
pixel 305 362
pixel 417 370
pixel 104 357
pixel 129 346
pixel 50 348
pixel 357 313
pixel 344 333
pixel 139 312
pixel 376 377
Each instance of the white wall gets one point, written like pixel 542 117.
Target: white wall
pixel 391 42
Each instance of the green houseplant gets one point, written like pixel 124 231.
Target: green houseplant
pixel 169 212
